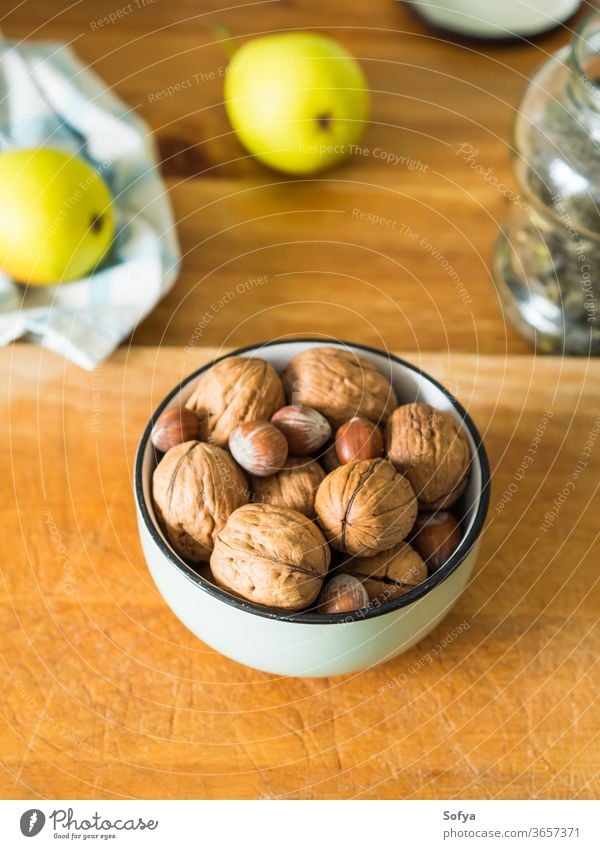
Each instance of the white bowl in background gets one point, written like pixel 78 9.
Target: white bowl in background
pixel 505 20
pixel 309 644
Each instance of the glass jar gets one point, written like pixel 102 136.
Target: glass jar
pixel 547 260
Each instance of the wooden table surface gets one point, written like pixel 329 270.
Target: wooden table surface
pixel 421 284
pixel 105 693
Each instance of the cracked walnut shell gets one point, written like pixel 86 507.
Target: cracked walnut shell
pixel 339 384
pixel 295 486
pixel 195 487
pixel 235 390
pixel 432 450
pixel 365 507
pixel 271 555
pixel 390 573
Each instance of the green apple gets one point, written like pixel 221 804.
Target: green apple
pixel 297 101
pixel 56 216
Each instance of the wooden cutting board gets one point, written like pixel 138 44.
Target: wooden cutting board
pixel 106 694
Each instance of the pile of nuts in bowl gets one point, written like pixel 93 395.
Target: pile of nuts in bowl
pixel 311 488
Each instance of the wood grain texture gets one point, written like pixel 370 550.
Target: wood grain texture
pixel 423 281
pixel 106 695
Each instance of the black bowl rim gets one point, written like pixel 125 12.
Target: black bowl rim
pixel 300 617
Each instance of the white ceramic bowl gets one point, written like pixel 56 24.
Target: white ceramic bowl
pixel 309 644
pixel 508 19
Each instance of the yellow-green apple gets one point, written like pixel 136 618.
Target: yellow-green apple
pixel 56 216
pixel 297 101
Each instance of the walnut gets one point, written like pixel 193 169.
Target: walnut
pixel 388 574
pixel 365 507
pixel 339 384
pixel 432 450
pixel 238 389
pixel 295 486
pixel 271 555
pixel 195 488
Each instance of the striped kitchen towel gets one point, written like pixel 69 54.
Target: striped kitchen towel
pixel 49 98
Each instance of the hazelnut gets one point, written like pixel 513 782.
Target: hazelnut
pixel 432 450
pixel 271 555
pixel 342 594
pixel 195 487
pixel 305 429
pixel 358 439
pixel 389 574
pixel 436 537
pixel 339 384
pixel 295 486
pixel 259 447
pixel 173 426
pixel 365 507
pixel 235 390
